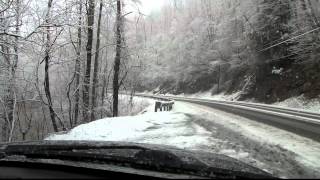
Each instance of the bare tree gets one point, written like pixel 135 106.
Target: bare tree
pixel 86 96
pixel 78 66
pixel 105 78
pixel 47 76
pixel 24 129
pixel 116 85
pixel 11 60
pixel 96 66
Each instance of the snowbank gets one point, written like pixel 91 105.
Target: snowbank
pixel 164 128
pixel 301 103
pixel 208 95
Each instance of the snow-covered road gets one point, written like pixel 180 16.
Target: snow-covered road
pixel 196 127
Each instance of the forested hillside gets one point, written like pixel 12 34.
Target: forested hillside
pixel 269 50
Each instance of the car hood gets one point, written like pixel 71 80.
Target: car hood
pixel 133 156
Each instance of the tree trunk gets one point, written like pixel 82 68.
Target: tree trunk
pixel 219 74
pixel 13 98
pixel 104 83
pixel 96 66
pixel 47 77
pixel 117 63
pixel 78 67
pixel 86 96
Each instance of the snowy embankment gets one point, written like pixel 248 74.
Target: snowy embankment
pixel 301 103
pixel 167 128
pixel 207 95
pixel 195 127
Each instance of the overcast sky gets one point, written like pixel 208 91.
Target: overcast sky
pixel 150 5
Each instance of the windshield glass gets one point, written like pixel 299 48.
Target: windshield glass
pixel 240 78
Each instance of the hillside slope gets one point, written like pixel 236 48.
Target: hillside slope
pixel 269 50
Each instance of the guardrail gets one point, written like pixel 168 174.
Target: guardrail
pixel 162 103
pixel 163 106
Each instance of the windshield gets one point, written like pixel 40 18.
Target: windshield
pixel 240 78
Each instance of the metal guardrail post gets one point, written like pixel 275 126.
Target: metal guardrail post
pixel 163 106
pixel 157 106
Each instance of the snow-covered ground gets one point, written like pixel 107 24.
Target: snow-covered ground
pixel 301 103
pixel 171 128
pixel 209 96
pixel 195 127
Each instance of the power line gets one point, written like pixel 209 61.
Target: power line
pixel 311 31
